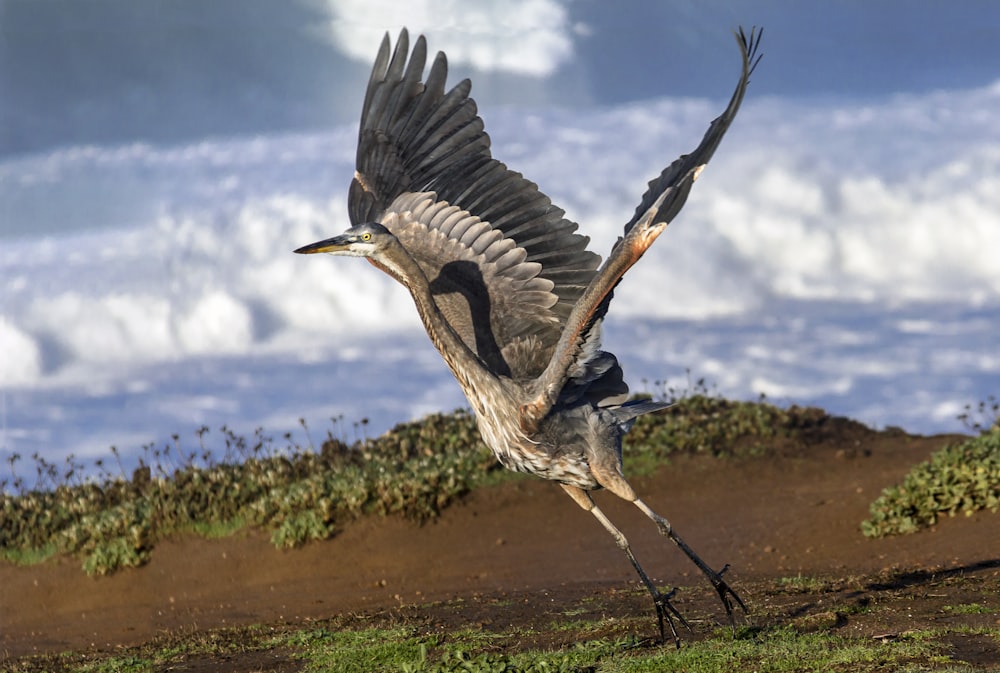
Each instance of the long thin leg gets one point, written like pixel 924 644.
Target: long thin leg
pixel 616 483
pixel 661 601
pixel 726 593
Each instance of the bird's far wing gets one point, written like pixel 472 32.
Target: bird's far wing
pixel 416 137
pixel 667 193
pixel 661 202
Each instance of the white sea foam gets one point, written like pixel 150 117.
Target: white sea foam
pixel 530 37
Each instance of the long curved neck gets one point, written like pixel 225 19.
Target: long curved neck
pixel 468 368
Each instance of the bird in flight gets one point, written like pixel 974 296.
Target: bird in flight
pixel 507 290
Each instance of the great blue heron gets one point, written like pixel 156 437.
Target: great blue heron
pixel 506 289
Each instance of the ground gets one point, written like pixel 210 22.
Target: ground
pixel 523 553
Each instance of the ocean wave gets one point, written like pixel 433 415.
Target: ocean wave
pixel 799 204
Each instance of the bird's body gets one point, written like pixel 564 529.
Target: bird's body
pixel 505 287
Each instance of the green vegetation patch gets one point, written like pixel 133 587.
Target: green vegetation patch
pixel 297 494
pixel 959 479
pixel 707 424
pixel 412 650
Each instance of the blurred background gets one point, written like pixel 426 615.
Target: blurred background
pixel 159 160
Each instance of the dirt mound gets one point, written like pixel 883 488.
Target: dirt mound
pixel 796 514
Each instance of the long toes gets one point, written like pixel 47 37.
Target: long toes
pixel 662 616
pixel 665 611
pixel 673 610
pixel 727 595
pixel 726 591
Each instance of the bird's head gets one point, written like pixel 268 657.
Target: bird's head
pixel 363 240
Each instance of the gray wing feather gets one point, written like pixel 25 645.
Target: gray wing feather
pixel 662 201
pixel 672 180
pixel 483 283
pixel 415 137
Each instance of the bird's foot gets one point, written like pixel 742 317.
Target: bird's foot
pixel 726 594
pixel 666 612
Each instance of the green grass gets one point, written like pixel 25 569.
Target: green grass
pixel 784 649
pixel 805 584
pixel 775 649
pixel 355 651
pixel 969 609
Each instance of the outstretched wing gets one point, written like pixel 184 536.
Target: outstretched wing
pixel 662 201
pixel 500 248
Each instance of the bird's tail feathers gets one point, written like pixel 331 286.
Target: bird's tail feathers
pixel 628 412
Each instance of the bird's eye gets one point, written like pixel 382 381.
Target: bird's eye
pixel 366 236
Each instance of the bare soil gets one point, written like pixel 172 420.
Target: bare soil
pixel 523 554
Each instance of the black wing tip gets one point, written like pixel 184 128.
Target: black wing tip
pixel 403 38
pixel 402 50
pixel 750 45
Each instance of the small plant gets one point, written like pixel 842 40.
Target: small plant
pixel 960 478
pixel 984 417
pixel 699 421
